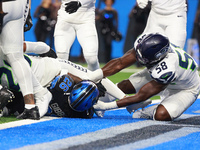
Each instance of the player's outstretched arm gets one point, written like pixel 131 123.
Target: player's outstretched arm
pixel 148 90
pixel 114 66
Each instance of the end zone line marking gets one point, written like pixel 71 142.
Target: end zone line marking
pixel 24 122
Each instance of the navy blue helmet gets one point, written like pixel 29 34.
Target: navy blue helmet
pixel 83 95
pixel 151 49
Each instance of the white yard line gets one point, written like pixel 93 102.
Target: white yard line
pixel 24 122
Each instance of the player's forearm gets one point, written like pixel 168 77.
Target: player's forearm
pixel 109 69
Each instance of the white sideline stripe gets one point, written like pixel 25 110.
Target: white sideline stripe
pixel 24 122
pixel 169 136
pixel 91 137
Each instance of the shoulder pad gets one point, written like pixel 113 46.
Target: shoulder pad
pixel 62 84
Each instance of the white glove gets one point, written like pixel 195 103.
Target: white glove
pixel 95 75
pixel 134 107
pixel 142 3
pixel 105 106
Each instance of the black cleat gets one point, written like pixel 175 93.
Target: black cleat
pixel 1 20
pixel 6 96
pixel 32 113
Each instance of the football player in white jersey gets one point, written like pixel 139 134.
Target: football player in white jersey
pixel 47 71
pixel 171 72
pixel 167 17
pixel 11 50
pixel 77 18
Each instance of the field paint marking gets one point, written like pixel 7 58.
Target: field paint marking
pixel 169 136
pixel 90 137
pixel 24 122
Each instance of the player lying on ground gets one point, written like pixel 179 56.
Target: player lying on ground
pixel 169 71
pixel 69 99
pixel 46 69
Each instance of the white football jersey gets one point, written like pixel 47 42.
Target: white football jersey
pixel 178 69
pixel 39 66
pixel 167 7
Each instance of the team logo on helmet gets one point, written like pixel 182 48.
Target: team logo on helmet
pixel 151 49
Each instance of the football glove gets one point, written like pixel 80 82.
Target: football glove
pixel 101 89
pixel 32 113
pixel 51 53
pixel 28 24
pixel 6 96
pixel 72 6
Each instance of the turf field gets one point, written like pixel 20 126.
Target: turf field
pixel 117 130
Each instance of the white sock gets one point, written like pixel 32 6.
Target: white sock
pixel 63 55
pixel 29 106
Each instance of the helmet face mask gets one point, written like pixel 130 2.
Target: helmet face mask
pixel 152 49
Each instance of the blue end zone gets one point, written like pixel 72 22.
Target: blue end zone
pixel 67 127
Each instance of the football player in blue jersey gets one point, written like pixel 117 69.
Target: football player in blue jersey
pixel 59 76
pixel 170 72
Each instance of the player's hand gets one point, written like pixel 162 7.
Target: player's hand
pixel 28 24
pixel 72 6
pixel 1 20
pixel 105 106
pixel 142 3
pixel 101 89
pixel 51 53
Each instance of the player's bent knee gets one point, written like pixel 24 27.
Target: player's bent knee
pixel 92 62
pixel 162 114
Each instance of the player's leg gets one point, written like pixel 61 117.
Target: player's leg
pixel 133 85
pixel 12 43
pixel 175 104
pixel 87 37
pixel 81 72
pixel 2 14
pixel 153 24
pixel 126 87
pixel 36 47
pixel 176 28
pixel 64 37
